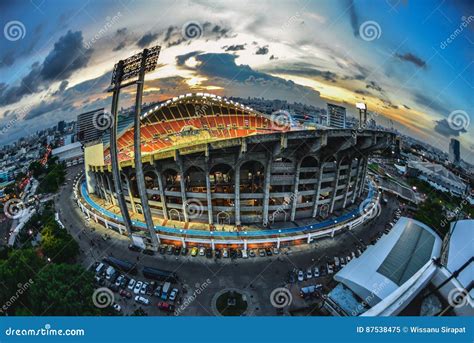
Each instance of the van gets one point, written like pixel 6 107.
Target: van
pixel 336 261
pixel 165 290
pixel 109 273
pixel 100 268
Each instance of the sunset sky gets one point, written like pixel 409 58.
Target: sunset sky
pixel 413 64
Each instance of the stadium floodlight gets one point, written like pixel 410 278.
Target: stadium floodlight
pixel 131 66
pixel 361 106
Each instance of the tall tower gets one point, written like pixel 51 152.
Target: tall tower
pixel 336 116
pixel 454 151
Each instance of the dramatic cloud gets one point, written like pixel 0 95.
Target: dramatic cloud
pixel 235 47
pixel 432 104
pixel 442 127
pixel 410 58
pixel 147 39
pixel 262 50
pixel 67 56
pixel 373 85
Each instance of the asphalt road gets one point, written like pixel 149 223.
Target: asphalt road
pixel 257 276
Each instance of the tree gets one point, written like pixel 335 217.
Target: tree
pixel 17 270
pixel 36 169
pixel 58 244
pixel 63 290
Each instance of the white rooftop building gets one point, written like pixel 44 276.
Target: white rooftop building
pixel 389 274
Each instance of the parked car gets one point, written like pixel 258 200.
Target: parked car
pixel 194 251
pixel 170 250
pixel 245 254
pixel 125 293
pixel 225 253
pixel 118 282
pixel 300 275
pixel 162 249
pixel 316 272
pixel 184 251
pixel 209 253
pixel 131 284
pixel 158 291
pixel 138 287
pixel 142 300
pixel 268 251
pixel 124 282
pixel 217 253
pixel 261 252
pixel 117 307
pixel 239 253
pixel 330 269
pixel 173 294
pixel 309 274
pixel 252 253
pixel 144 288
pixel 164 306
pixel 202 251
pixel 177 250
pixel 276 251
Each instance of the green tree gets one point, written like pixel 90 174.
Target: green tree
pixel 63 290
pixel 58 244
pixel 36 169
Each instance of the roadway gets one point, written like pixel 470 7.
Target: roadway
pixel 258 276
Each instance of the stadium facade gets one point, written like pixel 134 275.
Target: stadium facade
pixel 210 160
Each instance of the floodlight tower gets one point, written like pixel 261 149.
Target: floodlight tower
pixel 134 67
pixel 362 109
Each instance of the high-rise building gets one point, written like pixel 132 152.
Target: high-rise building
pixel 454 151
pixel 336 116
pixel 89 126
pixel 61 126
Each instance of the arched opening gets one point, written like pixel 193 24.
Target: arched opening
pixel 252 177
pixel 307 185
pixel 328 170
pixel 172 180
pixel 222 183
pixel 195 180
pixel 252 180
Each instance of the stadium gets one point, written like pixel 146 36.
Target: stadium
pixel 219 172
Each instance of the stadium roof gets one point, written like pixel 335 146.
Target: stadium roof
pixel 461 243
pixel 387 265
pixel 193 119
pixel 437 171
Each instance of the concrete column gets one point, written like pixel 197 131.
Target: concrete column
pixel 183 242
pixel 162 193
pixel 336 184
pixel 237 194
pixel 95 218
pixel 132 199
pixel 358 176
pixel 245 244
pixel 348 180
pixel 106 223
pixel 213 245
pixel 294 201
pixel 332 233
pixel 308 240
pixel 183 187
pixel 209 195
pixel 318 190
pixel 111 190
pixel 278 242
pixel 364 174
pixel 266 189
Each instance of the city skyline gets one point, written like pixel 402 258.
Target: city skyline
pixel 411 75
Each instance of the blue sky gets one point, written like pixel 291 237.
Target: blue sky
pixel 57 64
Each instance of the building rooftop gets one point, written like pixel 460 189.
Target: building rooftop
pixel 390 263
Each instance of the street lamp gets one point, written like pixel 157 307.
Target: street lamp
pixel 362 109
pixel 133 68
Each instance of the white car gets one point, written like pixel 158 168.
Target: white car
pixel 309 273
pixel 131 284
pixel 173 294
pixel 142 300
pixel 225 253
pixel 316 272
pixel 117 307
pixel 330 269
pixel 244 253
pixel 202 251
pixel 119 280
pixel 300 275
pixel 138 287
pixel 144 288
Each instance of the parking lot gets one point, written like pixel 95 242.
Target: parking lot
pixel 203 276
